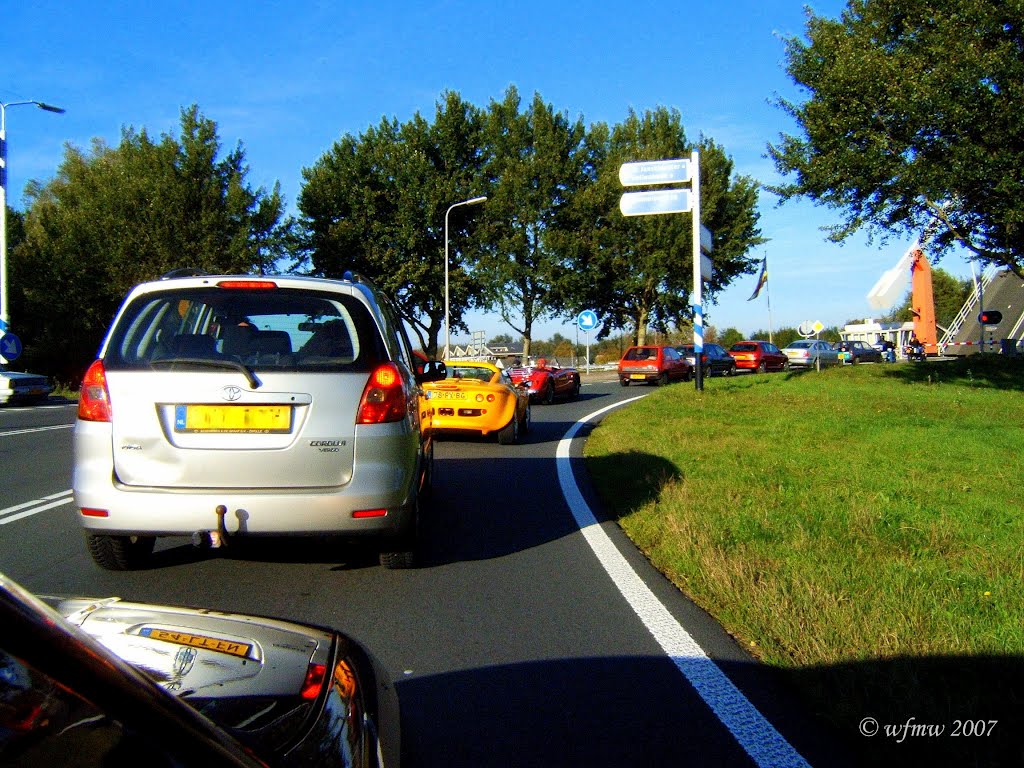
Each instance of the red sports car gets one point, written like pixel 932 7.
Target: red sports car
pixel 548 381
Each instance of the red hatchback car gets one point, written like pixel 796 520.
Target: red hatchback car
pixel 653 365
pixel 760 356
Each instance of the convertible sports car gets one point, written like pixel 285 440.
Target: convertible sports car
pixel 548 381
pixel 478 397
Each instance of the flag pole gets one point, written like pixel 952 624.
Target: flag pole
pixel 768 297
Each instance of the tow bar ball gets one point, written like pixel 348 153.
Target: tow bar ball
pixel 216 538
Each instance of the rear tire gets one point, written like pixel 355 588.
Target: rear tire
pixel 405 556
pixel 663 379
pixel 624 382
pixel 763 367
pixel 509 434
pixel 549 393
pixel 120 553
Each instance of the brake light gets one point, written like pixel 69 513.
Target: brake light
pixel 94 397
pixel 248 285
pixel 316 675
pixel 384 399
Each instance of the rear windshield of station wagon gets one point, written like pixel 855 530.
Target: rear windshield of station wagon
pixel 642 353
pixel 283 329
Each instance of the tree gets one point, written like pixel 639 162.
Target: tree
pixel 535 166
pixel 731 336
pixel 375 204
pixel 114 217
pixel 637 272
pixel 913 116
pixel 501 340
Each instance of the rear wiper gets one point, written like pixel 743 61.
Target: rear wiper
pixel 206 362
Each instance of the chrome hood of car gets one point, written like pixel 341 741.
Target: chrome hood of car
pixel 202 653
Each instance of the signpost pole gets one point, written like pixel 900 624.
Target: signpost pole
pixel 698 311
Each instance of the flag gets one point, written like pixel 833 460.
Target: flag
pixel 762 280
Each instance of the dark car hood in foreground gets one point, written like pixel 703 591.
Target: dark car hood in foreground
pixel 295 694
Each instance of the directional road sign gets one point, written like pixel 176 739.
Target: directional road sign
pixel 654 172
pixel 10 347
pixel 662 201
pixel 587 320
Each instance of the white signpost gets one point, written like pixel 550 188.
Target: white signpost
pixel 678 171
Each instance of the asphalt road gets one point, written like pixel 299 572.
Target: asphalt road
pixel 533 635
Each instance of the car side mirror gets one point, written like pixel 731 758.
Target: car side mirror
pixel 433 370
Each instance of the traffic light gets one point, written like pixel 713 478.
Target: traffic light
pixel 990 317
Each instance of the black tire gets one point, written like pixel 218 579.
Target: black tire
pixel 575 390
pixel 404 555
pixel 398 560
pixel 688 373
pixel 120 553
pixel 427 487
pixel 663 379
pixel 624 382
pixel 527 421
pixel 549 393
pixel 785 367
pixel 762 367
pixel 509 434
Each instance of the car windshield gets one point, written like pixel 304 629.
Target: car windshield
pixel 281 329
pixel 801 345
pixel 470 372
pixel 642 353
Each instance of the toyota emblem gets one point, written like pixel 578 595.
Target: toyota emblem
pixel 231 393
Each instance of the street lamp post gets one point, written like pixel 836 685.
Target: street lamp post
pixel 4 313
pixel 447 326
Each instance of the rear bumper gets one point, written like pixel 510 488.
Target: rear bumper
pixel 379 483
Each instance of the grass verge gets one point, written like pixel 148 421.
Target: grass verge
pixel 859 528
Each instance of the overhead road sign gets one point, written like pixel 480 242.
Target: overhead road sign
pixel 661 201
pixel 654 172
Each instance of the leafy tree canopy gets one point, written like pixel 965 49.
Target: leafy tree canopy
pixel 913 117
pixel 376 204
pixel 113 217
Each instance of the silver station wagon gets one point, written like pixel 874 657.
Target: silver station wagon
pixel 225 406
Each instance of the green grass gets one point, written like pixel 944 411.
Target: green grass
pixel 860 528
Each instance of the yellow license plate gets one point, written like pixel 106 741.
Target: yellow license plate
pixel 638 375
pixel 198 641
pixel 450 395
pixel 262 419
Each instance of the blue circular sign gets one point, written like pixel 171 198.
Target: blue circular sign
pixel 587 320
pixel 10 347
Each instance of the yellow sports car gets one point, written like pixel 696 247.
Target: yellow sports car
pixel 480 398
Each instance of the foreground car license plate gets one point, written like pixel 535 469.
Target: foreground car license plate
pixel 230 647
pixel 638 375
pixel 450 395
pixel 233 418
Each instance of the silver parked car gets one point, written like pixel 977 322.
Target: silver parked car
pixel 809 353
pixel 228 406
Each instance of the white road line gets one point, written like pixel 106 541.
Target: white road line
pixel 9 432
pixel 765 745
pixel 35 507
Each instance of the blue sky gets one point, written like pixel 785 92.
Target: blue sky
pixel 287 79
